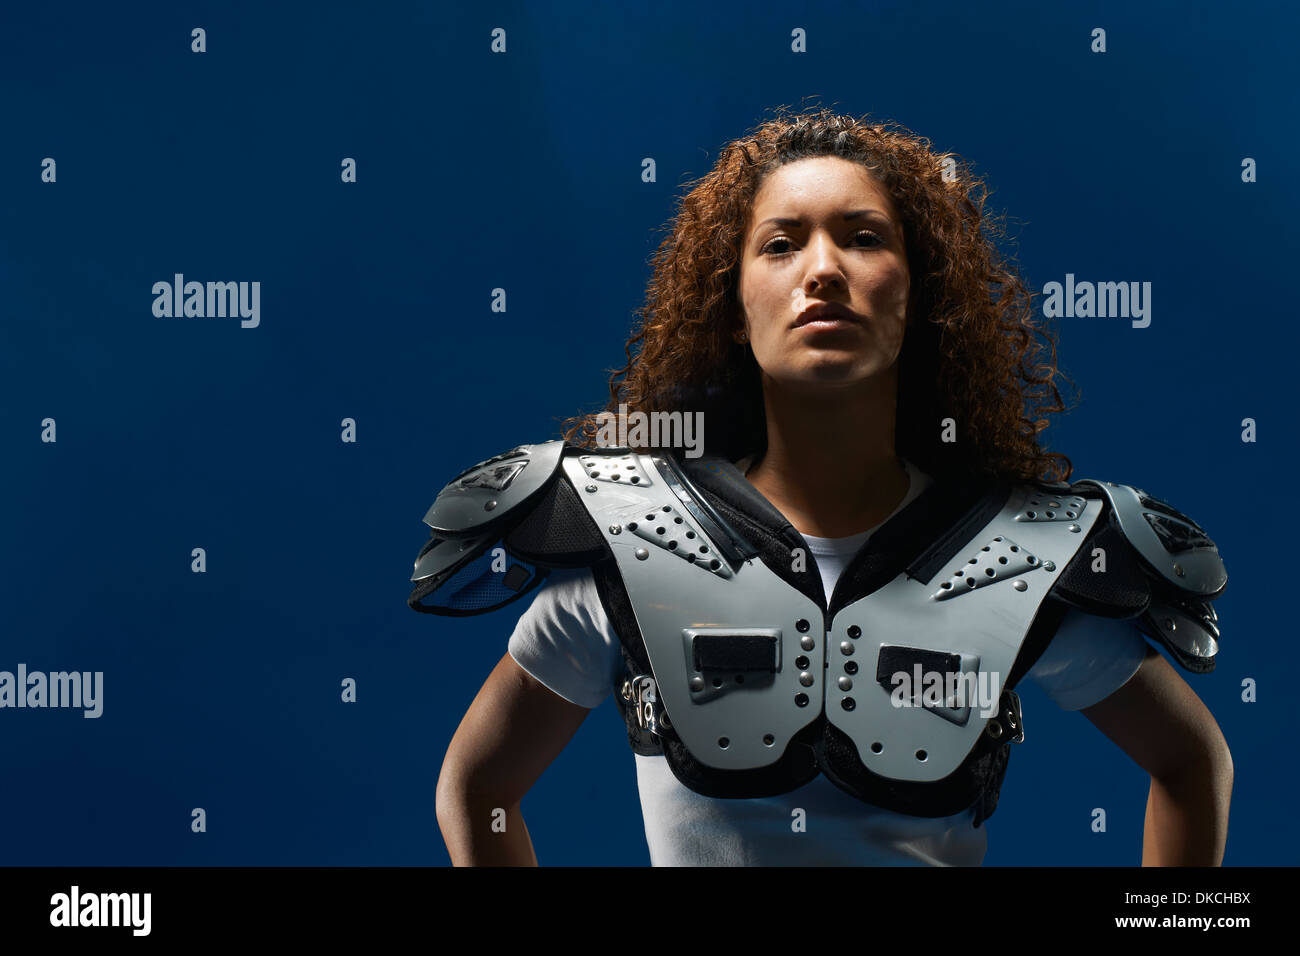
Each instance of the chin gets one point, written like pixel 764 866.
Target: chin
pixel 829 372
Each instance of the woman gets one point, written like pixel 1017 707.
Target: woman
pixel 832 300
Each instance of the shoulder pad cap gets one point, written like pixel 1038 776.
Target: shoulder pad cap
pixel 1188 571
pixel 472 507
pixel 481 495
pixel 1171 543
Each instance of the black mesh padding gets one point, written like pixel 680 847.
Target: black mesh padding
pixel 976 781
pixel 558 531
pixel 1122 590
pixel 477 587
pixel 796 767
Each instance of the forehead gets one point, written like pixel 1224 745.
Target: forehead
pixel 817 186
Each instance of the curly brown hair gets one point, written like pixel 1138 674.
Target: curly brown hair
pixel 966 359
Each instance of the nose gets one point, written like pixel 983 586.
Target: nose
pixel 822 263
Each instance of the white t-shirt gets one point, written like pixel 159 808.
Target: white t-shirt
pixel 566 641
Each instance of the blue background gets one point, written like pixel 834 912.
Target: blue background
pixel 522 171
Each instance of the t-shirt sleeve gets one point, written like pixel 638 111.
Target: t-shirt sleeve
pixel 566 640
pixel 1089 659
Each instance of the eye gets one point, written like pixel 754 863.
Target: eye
pixel 877 241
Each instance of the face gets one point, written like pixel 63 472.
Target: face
pixel 838 240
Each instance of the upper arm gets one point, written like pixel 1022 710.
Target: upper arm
pixel 512 731
pixel 1159 721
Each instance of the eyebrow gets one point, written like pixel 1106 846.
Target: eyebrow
pixel 848 217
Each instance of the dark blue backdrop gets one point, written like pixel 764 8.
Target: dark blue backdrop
pixel 521 171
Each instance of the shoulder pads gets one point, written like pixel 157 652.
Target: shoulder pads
pixel 1183 566
pixel 482 495
pixel 498 529
pixel 468 516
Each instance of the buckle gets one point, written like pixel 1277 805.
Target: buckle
pixel 1008 725
pixel 643 694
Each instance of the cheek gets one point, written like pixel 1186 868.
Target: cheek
pixel 892 290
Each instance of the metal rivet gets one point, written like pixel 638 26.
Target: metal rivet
pixel 1170 625
pixel 627 690
pixel 801 700
pixel 855 632
pixel 846 647
pixel 663 719
pixel 807 643
pixel 994 729
pixel 1020 585
pixel 1075 528
pixel 1049 566
pixel 697 683
pixel 848 703
pixel 801 663
pixel 616 529
pixel 1178 570
pixel 490 505
pixel 642 554
pixel 801 625
pixel 851 667
pixel 591 487
pixel 806 679
pixel 845 684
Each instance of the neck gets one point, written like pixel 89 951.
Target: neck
pixel 830 466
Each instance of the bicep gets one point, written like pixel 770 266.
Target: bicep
pixel 1158 720
pixel 512 731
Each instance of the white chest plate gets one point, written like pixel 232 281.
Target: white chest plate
pixel 744 660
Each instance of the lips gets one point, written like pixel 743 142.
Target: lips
pixel 826 312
